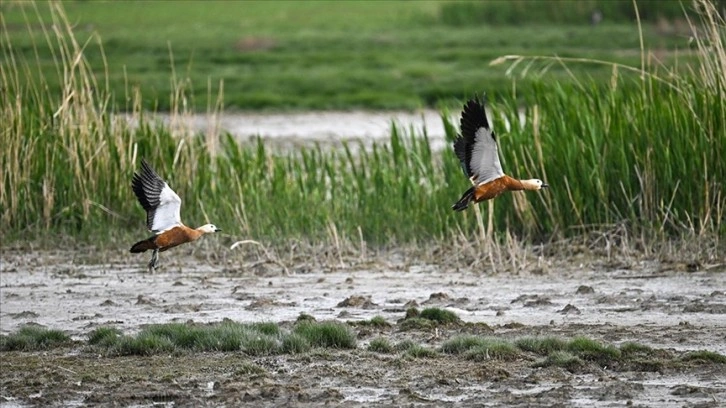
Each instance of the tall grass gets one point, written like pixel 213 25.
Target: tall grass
pixel 652 158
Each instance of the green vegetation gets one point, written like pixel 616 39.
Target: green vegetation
pixel 419 351
pixel 562 359
pixel 481 348
pixel 380 345
pixel 427 318
pixel 30 338
pixel 578 12
pixel 639 154
pixel 292 55
pixel 439 315
pixel 376 321
pixel 705 356
pixel 256 339
pixel 327 334
pixel 541 345
pixel 318 339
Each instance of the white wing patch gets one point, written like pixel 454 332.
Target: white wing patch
pixel 168 213
pixel 485 158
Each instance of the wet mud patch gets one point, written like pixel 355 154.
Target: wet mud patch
pixel 677 311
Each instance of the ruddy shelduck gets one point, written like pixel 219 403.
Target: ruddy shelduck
pixel 476 148
pixel 163 207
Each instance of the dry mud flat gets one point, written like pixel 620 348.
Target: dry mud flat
pixel 662 306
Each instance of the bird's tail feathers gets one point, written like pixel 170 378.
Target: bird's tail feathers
pixel 464 201
pixel 143 246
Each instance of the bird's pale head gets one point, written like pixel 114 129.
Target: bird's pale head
pixel 534 184
pixel 208 228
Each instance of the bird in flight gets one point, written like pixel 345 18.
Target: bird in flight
pixel 162 207
pixel 476 148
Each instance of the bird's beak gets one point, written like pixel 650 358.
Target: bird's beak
pixel 545 185
pixel 218 229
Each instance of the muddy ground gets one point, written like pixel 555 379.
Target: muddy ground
pixel 676 307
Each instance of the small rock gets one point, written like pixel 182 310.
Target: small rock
pixel 584 290
pixel 569 309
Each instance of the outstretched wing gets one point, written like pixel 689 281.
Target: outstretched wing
pixel 476 147
pixel 162 204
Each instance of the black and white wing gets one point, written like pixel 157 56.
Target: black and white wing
pixel 162 204
pixel 476 147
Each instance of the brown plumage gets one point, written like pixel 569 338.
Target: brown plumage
pixel 163 208
pixel 478 154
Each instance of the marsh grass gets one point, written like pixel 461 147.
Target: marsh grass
pixel 477 348
pixel 438 315
pixel 704 356
pixel 562 359
pixel 327 334
pixel 256 339
pixel 30 338
pixel 381 345
pixel 628 165
pixel 541 345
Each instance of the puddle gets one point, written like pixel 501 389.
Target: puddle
pixel 327 128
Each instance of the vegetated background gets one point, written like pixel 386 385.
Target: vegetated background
pixel 636 143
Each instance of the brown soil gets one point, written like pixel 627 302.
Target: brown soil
pixel 663 306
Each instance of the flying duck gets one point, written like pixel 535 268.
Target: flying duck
pixel 162 207
pixel 476 148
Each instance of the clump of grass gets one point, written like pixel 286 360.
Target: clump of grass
pixel 144 344
pixel 304 317
pixel 295 344
pixel 480 348
pixel 419 351
pixel 412 312
pixel 704 356
pixel 438 315
pixel 376 321
pixel 460 344
pixel 591 350
pixel 104 336
pixel 541 345
pixel 493 349
pixel 326 334
pixel 416 323
pixel 562 359
pixel 380 345
pixel 268 328
pixel 29 338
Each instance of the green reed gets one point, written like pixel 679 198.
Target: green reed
pixel 651 157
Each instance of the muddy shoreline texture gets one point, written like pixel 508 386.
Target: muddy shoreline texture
pixel 671 308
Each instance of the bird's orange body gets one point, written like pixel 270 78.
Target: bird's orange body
pixel 477 151
pixel 494 188
pixel 168 239
pixel 163 207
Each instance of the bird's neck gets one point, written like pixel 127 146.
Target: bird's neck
pixel 514 184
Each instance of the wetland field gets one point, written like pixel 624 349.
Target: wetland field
pixel 342 276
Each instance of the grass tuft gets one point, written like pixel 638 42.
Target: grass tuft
pixel 327 334
pixel 438 315
pixel 704 356
pixel 591 350
pixel 480 348
pixel 30 338
pixel 562 359
pixel 104 336
pixel 541 345
pixel 419 351
pixel 380 345
pixel 295 344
